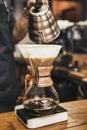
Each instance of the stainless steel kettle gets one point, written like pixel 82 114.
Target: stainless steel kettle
pixel 43 27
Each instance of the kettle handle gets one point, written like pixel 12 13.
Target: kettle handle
pixel 38 4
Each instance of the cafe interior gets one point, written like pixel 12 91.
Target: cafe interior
pixel 70 68
pixel 65 68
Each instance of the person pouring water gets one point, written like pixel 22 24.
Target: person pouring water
pixel 11 32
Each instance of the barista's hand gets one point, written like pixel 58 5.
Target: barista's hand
pixel 32 2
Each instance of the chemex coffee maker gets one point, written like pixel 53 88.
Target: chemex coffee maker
pixel 40 106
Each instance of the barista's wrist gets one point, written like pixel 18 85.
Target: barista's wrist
pixel 26 12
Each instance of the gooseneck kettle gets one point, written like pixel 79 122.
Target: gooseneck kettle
pixel 43 27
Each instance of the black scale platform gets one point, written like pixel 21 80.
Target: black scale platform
pixel 31 121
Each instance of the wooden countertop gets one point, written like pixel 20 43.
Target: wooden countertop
pixel 77 118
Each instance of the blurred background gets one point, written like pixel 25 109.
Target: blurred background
pixel 73 10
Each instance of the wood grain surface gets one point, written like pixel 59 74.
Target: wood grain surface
pixel 77 118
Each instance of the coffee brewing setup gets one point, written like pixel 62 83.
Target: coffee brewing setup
pixel 41 103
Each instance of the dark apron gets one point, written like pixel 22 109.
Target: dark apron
pixel 9 86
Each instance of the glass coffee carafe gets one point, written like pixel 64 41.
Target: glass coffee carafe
pixel 41 97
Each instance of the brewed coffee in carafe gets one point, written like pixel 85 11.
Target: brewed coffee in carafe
pixel 41 97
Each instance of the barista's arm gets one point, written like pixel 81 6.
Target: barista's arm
pixel 21 25
pixel 20 29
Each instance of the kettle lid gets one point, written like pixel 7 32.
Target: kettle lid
pixel 39 11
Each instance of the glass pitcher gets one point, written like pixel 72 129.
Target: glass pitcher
pixel 41 97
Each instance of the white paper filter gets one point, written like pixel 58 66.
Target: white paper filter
pixel 39 51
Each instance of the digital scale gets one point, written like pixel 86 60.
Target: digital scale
pixel 31 121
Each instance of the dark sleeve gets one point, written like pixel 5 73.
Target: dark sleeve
pixel 11 19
